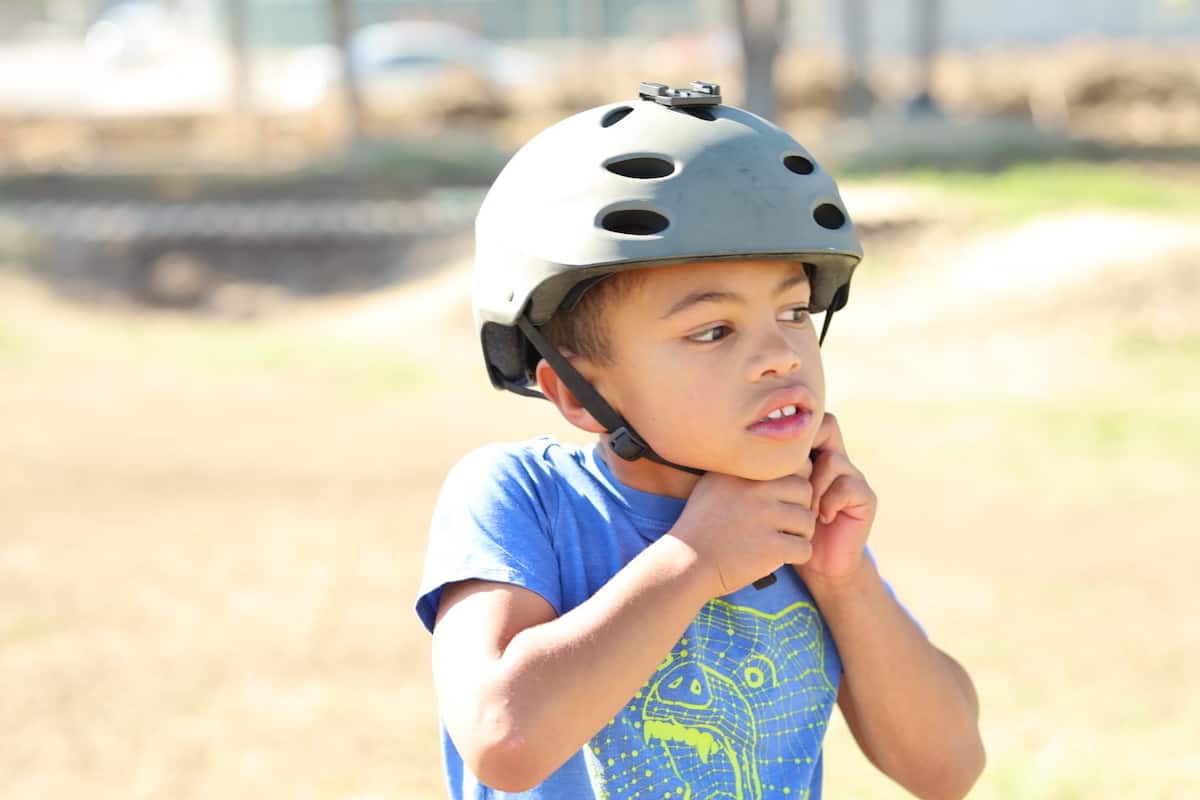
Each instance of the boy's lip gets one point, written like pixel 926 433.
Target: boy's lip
pixel 797 396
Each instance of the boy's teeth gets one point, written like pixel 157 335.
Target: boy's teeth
pixel 780 413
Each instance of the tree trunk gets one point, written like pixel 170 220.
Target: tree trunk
pixel 758 75
pixel 858 97
pixel 927 27
pixel 239 49
pixel 341 15
pixel 589 20
pixel 762 26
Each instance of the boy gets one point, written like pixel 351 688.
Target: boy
pixel 673 612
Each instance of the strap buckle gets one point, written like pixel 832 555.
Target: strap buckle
pixel 627 444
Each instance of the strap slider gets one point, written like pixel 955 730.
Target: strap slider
pixel 627 444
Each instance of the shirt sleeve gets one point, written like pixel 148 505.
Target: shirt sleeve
pixel 492 522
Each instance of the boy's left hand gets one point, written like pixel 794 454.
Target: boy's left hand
pixel 845 505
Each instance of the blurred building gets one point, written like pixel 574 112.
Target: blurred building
pixel 966 24
pixel 978 24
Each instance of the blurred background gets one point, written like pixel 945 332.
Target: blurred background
pixel 236 360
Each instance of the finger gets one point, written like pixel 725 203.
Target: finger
pixel 795 520
pixel 793 489
pixel 849 495
pixel 830 465
pixel 804 470
pixel 794 549
pixel 829 435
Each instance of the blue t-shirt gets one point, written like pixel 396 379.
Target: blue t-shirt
pixel 739 706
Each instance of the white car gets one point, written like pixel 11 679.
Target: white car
pixel 399 65
pixel 132 32
pixel 416 51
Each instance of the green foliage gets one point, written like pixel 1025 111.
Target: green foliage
pixel 13 345
pixel 397 168
pixel 1154 428
pixel 449 160
pixel 899 145
pixel 1023 192
pixel 233 349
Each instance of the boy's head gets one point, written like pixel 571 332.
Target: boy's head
pixel 605 205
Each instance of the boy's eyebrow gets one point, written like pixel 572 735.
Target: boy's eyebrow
pixel 701 297
pixel 714 296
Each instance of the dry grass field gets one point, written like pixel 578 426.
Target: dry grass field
pixel 211 532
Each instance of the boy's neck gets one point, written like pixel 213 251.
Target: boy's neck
pixel 645 475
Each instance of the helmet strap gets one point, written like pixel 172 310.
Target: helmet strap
pixel 825 325
pixel 623 439
pixel 840 297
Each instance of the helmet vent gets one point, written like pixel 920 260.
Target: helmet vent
pixel 799 165
pixel 615 116
pixel 829 216
pixel 635 221
pixel 699 112
pixel 642 167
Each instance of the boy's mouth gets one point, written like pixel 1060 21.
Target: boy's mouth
pixel 785 426
pixel 780 413
pixel 784 415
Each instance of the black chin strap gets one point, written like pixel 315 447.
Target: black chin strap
pixel 622 438
pixel 825 325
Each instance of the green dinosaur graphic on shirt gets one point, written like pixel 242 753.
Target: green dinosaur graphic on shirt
pixel 738 706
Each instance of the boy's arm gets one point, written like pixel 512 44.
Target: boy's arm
pixel 912 709
pixel 521 689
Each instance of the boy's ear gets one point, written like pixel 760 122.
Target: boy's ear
pixel 564 399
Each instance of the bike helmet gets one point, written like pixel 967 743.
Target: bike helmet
pixel 671 177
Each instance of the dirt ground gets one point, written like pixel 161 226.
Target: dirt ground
pixel 211 533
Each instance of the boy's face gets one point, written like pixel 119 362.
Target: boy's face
pixel 701 354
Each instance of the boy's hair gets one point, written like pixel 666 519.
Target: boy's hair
pixel 582 329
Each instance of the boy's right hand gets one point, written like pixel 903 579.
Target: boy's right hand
pixel 741 529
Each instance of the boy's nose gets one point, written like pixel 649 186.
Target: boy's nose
pixel 774 355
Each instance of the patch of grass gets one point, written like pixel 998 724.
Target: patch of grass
pixel 1023 192
pixel 13 344
pixel 31 628
pixel 16 245
pixel 1067 780
pixel 1153 428
pixel 393 167
pixel 230 348
pixel 1079 435
pixel 1143 345
pixel 1161 367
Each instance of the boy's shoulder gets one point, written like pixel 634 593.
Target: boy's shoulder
pixel 538 454
pixel 539 461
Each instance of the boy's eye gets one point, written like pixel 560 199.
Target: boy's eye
pixel 711 334
pixel 794 314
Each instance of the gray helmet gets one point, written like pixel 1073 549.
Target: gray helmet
pixel 673 176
